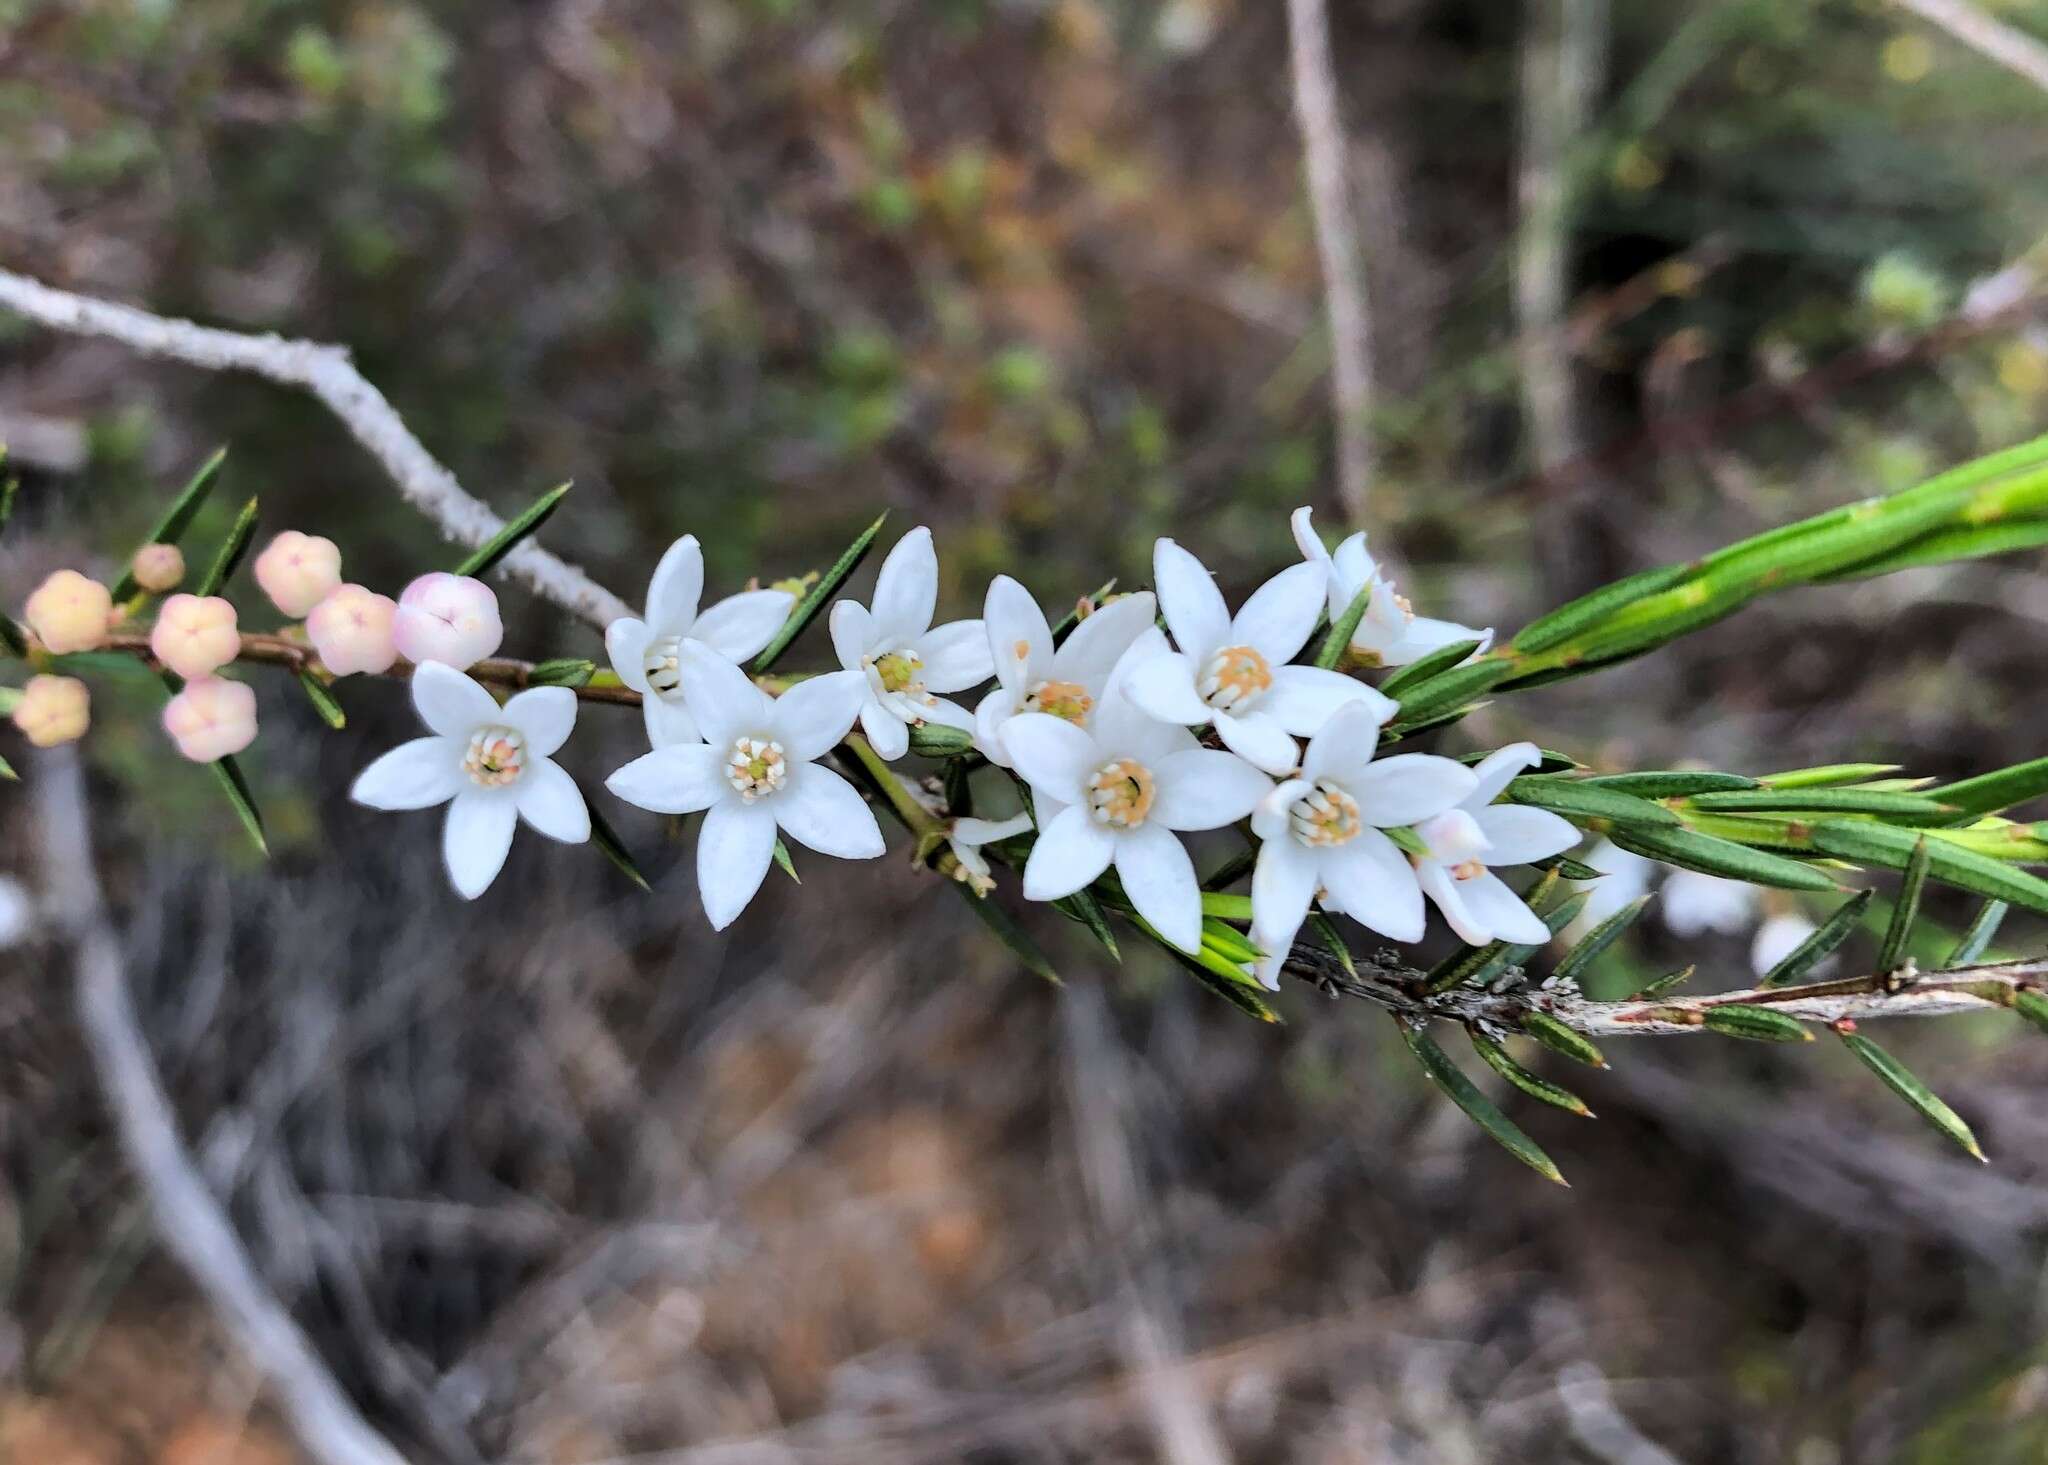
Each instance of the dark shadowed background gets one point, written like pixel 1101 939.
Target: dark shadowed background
pixel 563 1177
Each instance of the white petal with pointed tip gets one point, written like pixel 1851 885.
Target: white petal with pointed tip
pixel 414 775
pixel 549 800
pixel 1203 788
pixel 1283 883
pixel 677 588
pixel 1159 878
pixel 991 714
pixel 723 699
pixel 1303 699
pixel 1052 755
pixel 1499 768
pixel 1445 889
pixel 1408 788
pixel 678 780
pixel 815 714
pixel 668 721
pixel 1092 648
pixel 955 656
pixel 853 632
pixel 1194 607
pixel 1502 911
pixel 734 849
pixel 1518 835
pixel 1371 881
pixel 907 590
pixel 1163 687
pixel 1276 621
pixel 887 733
pixel 1072 850
pixel 1274 817
pixel 626 641
pixel 450 703
pixel 821 811
pixel 740 625
pixel 477 837
pixel 1255 737
pixel 545 716
pixel 1019 639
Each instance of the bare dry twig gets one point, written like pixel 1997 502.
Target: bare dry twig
pixel 328 374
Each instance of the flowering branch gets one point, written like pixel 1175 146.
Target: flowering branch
pixel 328 374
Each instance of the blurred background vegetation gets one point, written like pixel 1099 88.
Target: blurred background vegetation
pixel 561 1177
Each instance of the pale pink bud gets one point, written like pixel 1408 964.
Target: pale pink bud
pixel 158 567
pixel 447 618
pixel 195 635
pixel 211 718
pixel 70 612
pixel 298 571
pixel 351 629
pixel 53 710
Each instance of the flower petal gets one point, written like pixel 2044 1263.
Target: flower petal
pixel 821 811
pixel 946 713
pixel 888 734
pixel 1052 755
pixel 1409 788
pixel 626 641
pixel 1274 816
pixel 740 625
pixel 668 721
pixel 546 715
pixel 1503 912
pixel 1094 646
pixel 722 699
pixel 549 800
pixel 1163 687
pixel 1519 835
pixel 1283 883
pixel 955 656
pixel 1425 635
pixel 1194 607
pixel 734 849
pixel 1159 878
pixel 414 775
pixel 1019 640
pixel 1277 620
pixel 1342 748
pixel 677 588
pixel 1258 739
pixel 988 831
pixel 1072 849
pixel 1303 699
pixel 1371 881
pixel 815 714
pixel 677 780
pixel 853 632
pixel 1448 892
pixel 450 703
pixel 1498 768
pixel 991 714
pixel 477 837
pixel 907 590
pixel 1202 788
pixel 1310 543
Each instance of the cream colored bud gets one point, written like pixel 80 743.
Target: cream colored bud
pixel 298 571
pixel 158 568
pixel 53 710
pixel 211 719
pixel 70 612
pixel 352 631
pixel 195 635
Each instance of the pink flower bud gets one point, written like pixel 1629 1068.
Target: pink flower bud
pixel 195 636
pixel 211 718
pixel 447 618
pixel 70 612
pixel 53 710
pixel 158 567
pixel 351 629
pixel 298 571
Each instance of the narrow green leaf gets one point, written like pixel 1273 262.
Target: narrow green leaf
pixel 1478 965
pixel 322 698
pixel 1709 855
pixel 481 561
pixel 1946 546
pixel 12 639
pixel 1902 1081
pixel 228 774
pixel 177 518
pixel 1560 625
pixel 1580 798
pixel 1343 629
pixel 1227 907
pixel 1013 936
pixel 1416 672
pixel 2032 1006
pixel 937 740
pixel 1570 869
pixel 1669 982
pixel 1451 1079
pixel 1977 940
pixel 1827 775
pixel 787 864
pixel 1228 942
pixel 1225 980
pixel 1333 941
pixel 820 595
pixel 562 671
pixel 1671 783
pixel 614 849
pixel 1817 947
pixel 9 487
pixel 1082 906
pixel 1498 1059
pixel 1831 800
pixel 1758 1024
pixel 1446 694
pixel 1561 1038
pixel 7 772
pixel 1552 761
pixel 1573 968
pixel 1990 792
pixel 231 551
pixel 1905 910
pixel 1880 844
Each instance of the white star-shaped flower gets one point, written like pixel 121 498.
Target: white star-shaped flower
pixel 1464 842
pixel 1119 792
pixel 644 653
pixel 1389 633
pixel 755 773
pixel 904 659
pixel 1233 672
pixel 491 765
pixel 1321 833
pixel 1034 676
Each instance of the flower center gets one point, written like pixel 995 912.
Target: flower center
pixel 496 756
pixel 898 671
pixel 664 667
pixel 1234 677
pixel 755 767
pixel 1455 838
pixel 1069 700
pixel 1325 817
pixel 1121 793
